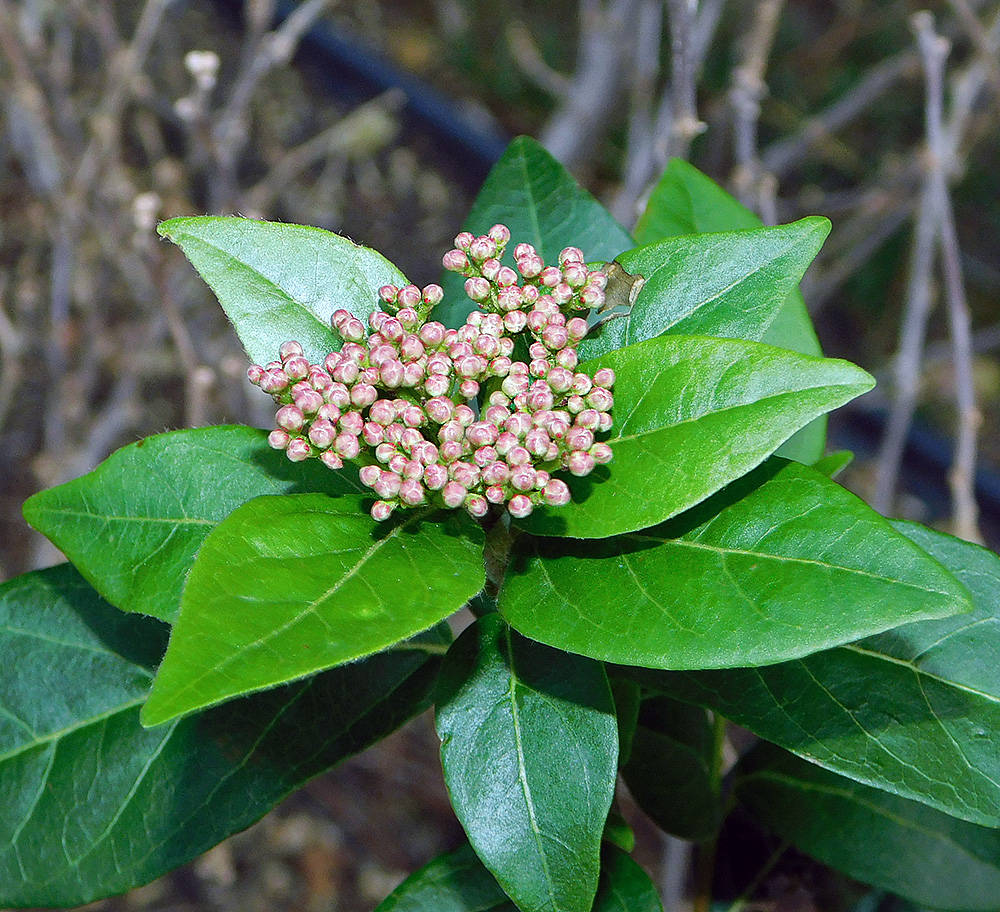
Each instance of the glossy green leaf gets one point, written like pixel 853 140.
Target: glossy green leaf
pixel 278 282
pixel 779 565
pixel 543 205
pixel 914 711
pixel 288 586
pixel 671 771
pixel 685 201
pixel 730 285
pixel 878 838
pixel 692 414
pixel 133 525
pixel 92 803
pixel 458 882
pixel 529 746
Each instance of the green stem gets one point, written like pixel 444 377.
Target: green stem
pixel 745 896
pixel 706 851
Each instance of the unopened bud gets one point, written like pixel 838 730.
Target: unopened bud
pixel 520 506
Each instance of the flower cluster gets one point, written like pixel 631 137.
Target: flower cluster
pixel 447 416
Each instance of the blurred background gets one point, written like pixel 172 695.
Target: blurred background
pixel 379 120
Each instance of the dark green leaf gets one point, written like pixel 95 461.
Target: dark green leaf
pixel 685 201
pixel 671 772
pixel 458 882
pixel 880 839
pixel 782 564
pixel 692 414
pixel 731 284
pixel 831 466
pixel 134 524
pixel 288 586
pixel 543 205
pixel 529 747
pixel 628 696
pixel 915 711
pixel 278 282
pixel 92 803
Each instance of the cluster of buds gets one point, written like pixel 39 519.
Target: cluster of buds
pixel 447 417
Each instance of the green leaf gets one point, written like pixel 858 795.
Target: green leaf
pixel 915 711
pixel 671 772
pixel 529 746
pixel 730 285
pixel 685 201
pixel 458 882
pixel 93 804
pixel 134 525
pixel 279 282
pixel 831 466
pixel 880 839
pixel 782 564
pixel 543 205
pixel 288 586
pixel 692 414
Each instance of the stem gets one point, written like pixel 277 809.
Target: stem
pixel 496 555
pixel 744 898
pixel 706 851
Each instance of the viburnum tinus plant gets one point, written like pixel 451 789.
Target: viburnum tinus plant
pixel 610 449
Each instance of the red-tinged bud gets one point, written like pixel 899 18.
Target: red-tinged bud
pixel 496 414
pixel 338 395
pixel 387 485
pixel 582 384
pixel 390 374
pixel 486 345
pixel 410 436
pixel 411 492
pixel 476 506
pixel 530 266
pixel 290 350
pixel 497 397
pixel 347 446
pixel 382 510
pixel 505 277
pixel 465 473
pixel 332 361
pixel 523 250
pixel 506 442
pixel 606 421
pixel 369 375
pixel 392 330
pixel 413 375
pixel 537 441
pixel 351 423
pixel 600 399
pixel 464 415
pixel 375 319
pixel 514 385
pixel 541 479
pixel 605 377
pixel 409 296
pixel 481 433
pixel 485 455
pixel 520 506
pixel 290 418
pixel 382 412
pixel 363 394
pixel 591 297
pixel 435 476
pixel 515 321
pixel 575 274
pixel 550 276
pixel 482 248
pixel 432 295
pixel 580 463
pixel 495 472
pixel 579 438
pixel 437 385
pixel 530 294
pixel 373 433
pixel 308 400
pixel 451 432
pixel 411 469
pixel 478 289
pixel 539 367
pixel 509 298
pixel 576 329
pixel 540 399
pixel 601 452
pixel 518 455
pixel 298 449
pixel 354 352
pixel 384 452
pixel 500 235
pixel 556 493
pixel 409 319
pixel 322 433
pixel 464 239
pixel 413 416
pixel 522 478
pixel 331 460
pixel 319 378
pixel 393 432
pixel 368 475
pixel 562 294
pixel 519 424
pixel 455 261
pixel 339 316
pixel 588 418
pixel 506 347
pixel 328 411
pixel 453 494
pixel 278 439
pixel 490 269
pixel 387 293
pixel 274 382
pixel 495 494
pixel 537 320
pixel 352 330
pixel 575 404
pixel 450 450
pixel 425 453
pixel 255 373
pixel 439 409
pixel 411 348
pixel 537 350
pixel 570 255
pixel 346 372
pixel 469 389
pixel 555 337
pixel 560 379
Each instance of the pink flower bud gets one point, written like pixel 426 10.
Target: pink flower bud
pixel 530 265
pixel 600 399
pixel 322 433
pixel 411 492
pixel 539 367
pixel 368 475
pixel 486 345
pixel 476 506
pixel 347 446
pixel 550 276
pixel 514 385
pixel 579 438
pixel 500 235
pixel 410 437
pixel 576 329
pixel 559 379
pixel 298 449
pixel 510 298
pixel 351 423
pixel 278 439
pixel 393 432
pixel 464 239
pixel 537 321
pixel 518 455
pixel 413 416
pixel 530 294
pixel 482 248
pixel 451 432
pixel 384 452
pixel 274 382
pixel 437 385
pixel 496 414
pixel 387 484
pixel 290 350
pixel 353 352
pixel 490 269
pixel 331 460
pixel 382 510
pixel 328 411
pixel 591 296
pixel 390 375
pixel 290 418
pixel 409 296
pixel 485 455
pixel 255 373
pixel 570 255
pixel 432 294
pixel 506 442
pixel 505 277
pixel 382 411
pixel 425 452
pixel 363 395
pixel 435 476
pixel 375 319
pixel 562 293
pixel 465 473
pixel 481 433
pixel 556 493
pixel 373 433
pixel 464 415
pixel 575 274
pixel 411 348
pixel 605 377
pixel 598 278
pixel 469 389
pixel 536 441
pixel 352 330
pixel 580 463
pixel 494 494
pixel 520 506
pixel 453 494
pixel 439 408
pixel 478 289
pixel 555 337
pixel 582 384
pixel 409 319
pixel 455 261
pixel 601 453
pixel 413 375
pixel 450 450
pixel 431 334
pixel 522 478
pixel 515 321
pixel 540 399
pixel 518 424
pixel 495 472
